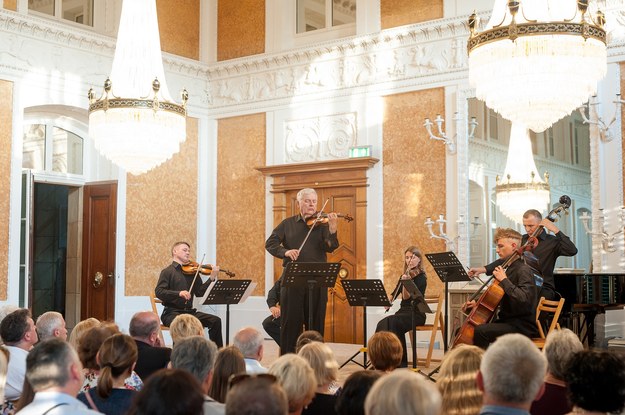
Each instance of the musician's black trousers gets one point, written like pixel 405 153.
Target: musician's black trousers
pixel 294 314
pixel 400 323
pixel 272 327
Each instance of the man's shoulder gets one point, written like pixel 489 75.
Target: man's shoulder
pixel 212 407
pixel 145 348
pixel 56 403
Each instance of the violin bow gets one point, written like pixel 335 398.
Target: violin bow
pixel 197 271
pixel 317 219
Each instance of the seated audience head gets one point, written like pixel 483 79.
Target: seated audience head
pixel 80 329
pixel 256 395
pixel 297 379
pixel 51 324
pixel 321 358
pixel 183 326
pixel 169 392
pixel 403 392
pixel 117 358
pixel 512 372
pixel 145 326
pixel 250 342
pixel 457 381
pixel 53 364
pixel 351 401
pixel 18 329
pixel 6 310
pixel 560 346
pixel 229 362
pixel 596 381
pixel 196 355
pixel 385 351
pixel 307 337
pixel 90 343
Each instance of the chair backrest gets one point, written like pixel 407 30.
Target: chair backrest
pixel 154 301
pixel 549 307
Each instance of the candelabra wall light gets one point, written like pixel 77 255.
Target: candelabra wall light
pixel 589 115
pixel 607 240
pixel 449 242
pixel 450 142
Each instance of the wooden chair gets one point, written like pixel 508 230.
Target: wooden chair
pixel 437 325
pixel 552 308
pixel 155 301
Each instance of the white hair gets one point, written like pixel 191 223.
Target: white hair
pixel 306 191
pixel 47 323
pixel 559 347
pixel 403 392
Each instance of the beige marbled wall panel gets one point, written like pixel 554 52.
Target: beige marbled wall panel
pixel 241 197
pixel 10 4
pixel 6 121
pixel 179 27
pixel 395 13
pixel 240 28
pixel 414 180
pixel 161 208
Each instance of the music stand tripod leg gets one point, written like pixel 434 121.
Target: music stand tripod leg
pixel 311 286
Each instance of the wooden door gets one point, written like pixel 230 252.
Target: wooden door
pixel 98 251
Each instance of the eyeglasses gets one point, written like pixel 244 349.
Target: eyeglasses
pixel 240 377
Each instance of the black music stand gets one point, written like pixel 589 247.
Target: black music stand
pixel 363 293
pixel 311 275
pixel 227 292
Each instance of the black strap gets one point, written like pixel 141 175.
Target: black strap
pixel 55 406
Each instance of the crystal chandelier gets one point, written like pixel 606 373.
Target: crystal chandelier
pixel 522 189
pixel 537 60
pixel 135 123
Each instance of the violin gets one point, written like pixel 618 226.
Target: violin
pixel 323 218
pixel 191 268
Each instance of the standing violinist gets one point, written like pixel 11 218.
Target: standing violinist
pixel 285 242
pixel 517 308
pixel 401 322
pixel 174 289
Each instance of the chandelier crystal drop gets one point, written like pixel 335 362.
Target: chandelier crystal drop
pixel 135 123
pixel 537 60
pixel 521 188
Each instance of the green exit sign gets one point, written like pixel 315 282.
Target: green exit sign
pixel 362 151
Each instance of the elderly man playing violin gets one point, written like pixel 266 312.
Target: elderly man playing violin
pixel 174 289
pixel 286 243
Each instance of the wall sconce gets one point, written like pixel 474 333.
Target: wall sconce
pixel 449 242
pixel 607 240
pixel 605 129
pixel 442 135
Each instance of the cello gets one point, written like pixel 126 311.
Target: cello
pixel 486 306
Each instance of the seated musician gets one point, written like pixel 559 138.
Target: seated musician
pixel 271 324
pixel 401 322
pixel 174 288
pixel 517 308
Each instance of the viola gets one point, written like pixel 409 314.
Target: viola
pixel 322 218
pixel 192 267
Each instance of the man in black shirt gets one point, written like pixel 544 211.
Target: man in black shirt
pixel 271 324
pixel 549 248
pixel 174 289
pixel 285 242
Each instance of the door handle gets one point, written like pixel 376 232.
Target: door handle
pixel 97 279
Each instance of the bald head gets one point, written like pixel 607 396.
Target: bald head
pixel 144 325
pixel 249 341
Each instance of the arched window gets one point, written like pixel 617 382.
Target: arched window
pixel 50 148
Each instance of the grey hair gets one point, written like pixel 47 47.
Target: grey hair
pixel 196 355
pixel 559 347
pixel 48 364
pixel 403 392
pixel 248 340
pixel 513 369
pixel 47 323
pixel 306 191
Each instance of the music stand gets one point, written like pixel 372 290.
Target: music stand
pixel 227 292
pixel 310 275
pixel 363 293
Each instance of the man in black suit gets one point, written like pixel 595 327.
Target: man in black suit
pixel 145 329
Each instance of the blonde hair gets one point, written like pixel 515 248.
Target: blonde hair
pixel 457 381
pixel 385 351
pixel 185 325
pixel 297 379
pixel 322 361
pixel 507 233
pixel 403 392
pixel 80 329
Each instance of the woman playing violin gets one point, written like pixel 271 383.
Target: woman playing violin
pixel 401 321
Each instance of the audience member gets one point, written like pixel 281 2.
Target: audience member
pixel 307 337
pixel 80 329
pixel 19 336
pixel 183 326
pixel 51 324
pixel 117 357
pixel 321 359
pixel 4 363
pixel 257 396
pixel 145 328
pixel 250 342
pixel 55 373
pixel 403 392
pixel 457 381
pixel 511 375
pixel 559 348
pixel 351 400
pixel 169 392
pixel 229 362
pixel 196 355
pixel 297 379
pixel 596 382
pixel 5 310
pixel 385 351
